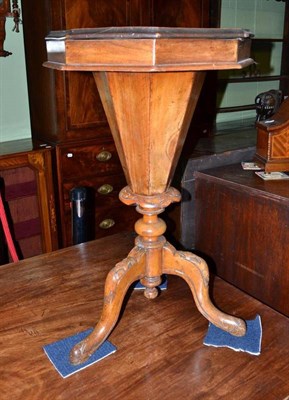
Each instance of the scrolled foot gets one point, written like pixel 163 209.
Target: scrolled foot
pixel 233 325
pixel 117 283
pixel 194 271
pixel 79 353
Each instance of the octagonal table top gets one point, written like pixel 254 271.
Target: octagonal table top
pixel 148 49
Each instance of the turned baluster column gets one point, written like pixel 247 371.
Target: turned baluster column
pixel 150 229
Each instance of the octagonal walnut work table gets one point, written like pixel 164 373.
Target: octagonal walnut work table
pixel 149 80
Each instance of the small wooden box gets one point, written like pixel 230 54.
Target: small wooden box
pixel 242 225
pixel 272 150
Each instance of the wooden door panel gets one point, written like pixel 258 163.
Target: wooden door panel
pixel 140 12
pixel 182 13
pixel 84 108
pixel 86 160
pixel 94 13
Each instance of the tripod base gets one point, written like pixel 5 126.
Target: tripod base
pixel 186 265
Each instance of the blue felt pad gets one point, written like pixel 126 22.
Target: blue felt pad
pixel 58 353
pixel 249 343
pixel 162 286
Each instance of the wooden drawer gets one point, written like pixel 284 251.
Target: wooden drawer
pixel 108 214
pixel 105 190
pixel 79 161
pixel 107 221
pixel 112 220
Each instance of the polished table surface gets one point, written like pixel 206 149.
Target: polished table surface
pixel 52 296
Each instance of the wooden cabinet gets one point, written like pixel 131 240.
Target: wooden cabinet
pixel 27 187
pixel 95 165
pixel 209 153
pixel 65 108
pixel 242 226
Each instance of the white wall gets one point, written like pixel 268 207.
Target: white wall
pixel 14 108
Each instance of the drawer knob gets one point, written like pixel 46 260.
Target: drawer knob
pixel 105 189
pixel 104 156
pixel 106 223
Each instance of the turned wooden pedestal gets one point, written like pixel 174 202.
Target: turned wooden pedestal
pixel 149 80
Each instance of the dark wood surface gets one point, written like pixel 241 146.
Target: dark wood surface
pixel 242 226
pixel 160 352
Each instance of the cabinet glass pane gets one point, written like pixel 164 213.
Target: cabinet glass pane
pixel 265 18
pixel 268 56
pixel 243 119
pixel 238 94
pixel 269 19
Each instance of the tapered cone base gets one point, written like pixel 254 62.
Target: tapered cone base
pixel 149 115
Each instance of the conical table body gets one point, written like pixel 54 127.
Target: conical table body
pixel 149 81
pixel 149 121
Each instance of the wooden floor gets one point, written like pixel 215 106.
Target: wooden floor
pixel 160 352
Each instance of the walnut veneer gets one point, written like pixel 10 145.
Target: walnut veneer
pixel 149 81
